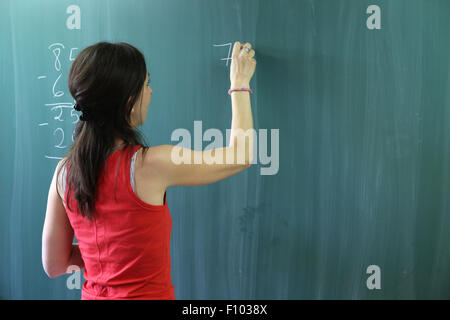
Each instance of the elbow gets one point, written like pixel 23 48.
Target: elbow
pixel 249 160
pixel 51 269
pixel 248 163
pixel 50 273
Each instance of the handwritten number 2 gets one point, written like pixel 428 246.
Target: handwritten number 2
pixel 62 138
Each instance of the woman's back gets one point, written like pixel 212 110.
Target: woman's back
pixel 126 246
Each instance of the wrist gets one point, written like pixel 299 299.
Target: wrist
pixel 239 85
pixel 247 90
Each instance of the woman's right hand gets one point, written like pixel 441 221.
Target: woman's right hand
pixel 242 65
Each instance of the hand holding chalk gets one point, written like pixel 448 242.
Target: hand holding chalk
pixel 242 65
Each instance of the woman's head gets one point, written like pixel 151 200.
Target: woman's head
pixel 109 82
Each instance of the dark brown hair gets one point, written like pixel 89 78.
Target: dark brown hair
pixel 102 79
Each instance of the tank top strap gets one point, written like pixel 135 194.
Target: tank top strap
pixel 133 161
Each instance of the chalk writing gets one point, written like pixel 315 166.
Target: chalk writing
pixel 229 50
pixel 59 110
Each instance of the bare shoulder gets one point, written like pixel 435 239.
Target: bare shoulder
pixel 152 162
pixel 153 155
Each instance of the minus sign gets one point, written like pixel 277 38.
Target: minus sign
pixel 43 124
pixel 58 158
pixel 42 77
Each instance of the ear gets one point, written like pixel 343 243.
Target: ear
pixel 132 111
pixel 129 106
pixel 129 101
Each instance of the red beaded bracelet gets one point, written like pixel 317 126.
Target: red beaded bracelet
pixel 240 89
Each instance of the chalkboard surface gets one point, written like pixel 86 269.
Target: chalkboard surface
pixel 353 97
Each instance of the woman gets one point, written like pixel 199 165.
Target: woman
pixel 110 190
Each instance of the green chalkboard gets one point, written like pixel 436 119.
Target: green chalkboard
pixel 352 97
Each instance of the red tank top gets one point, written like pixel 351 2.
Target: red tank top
pixel 126 247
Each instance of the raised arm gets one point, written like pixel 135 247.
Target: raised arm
pixel 162 162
